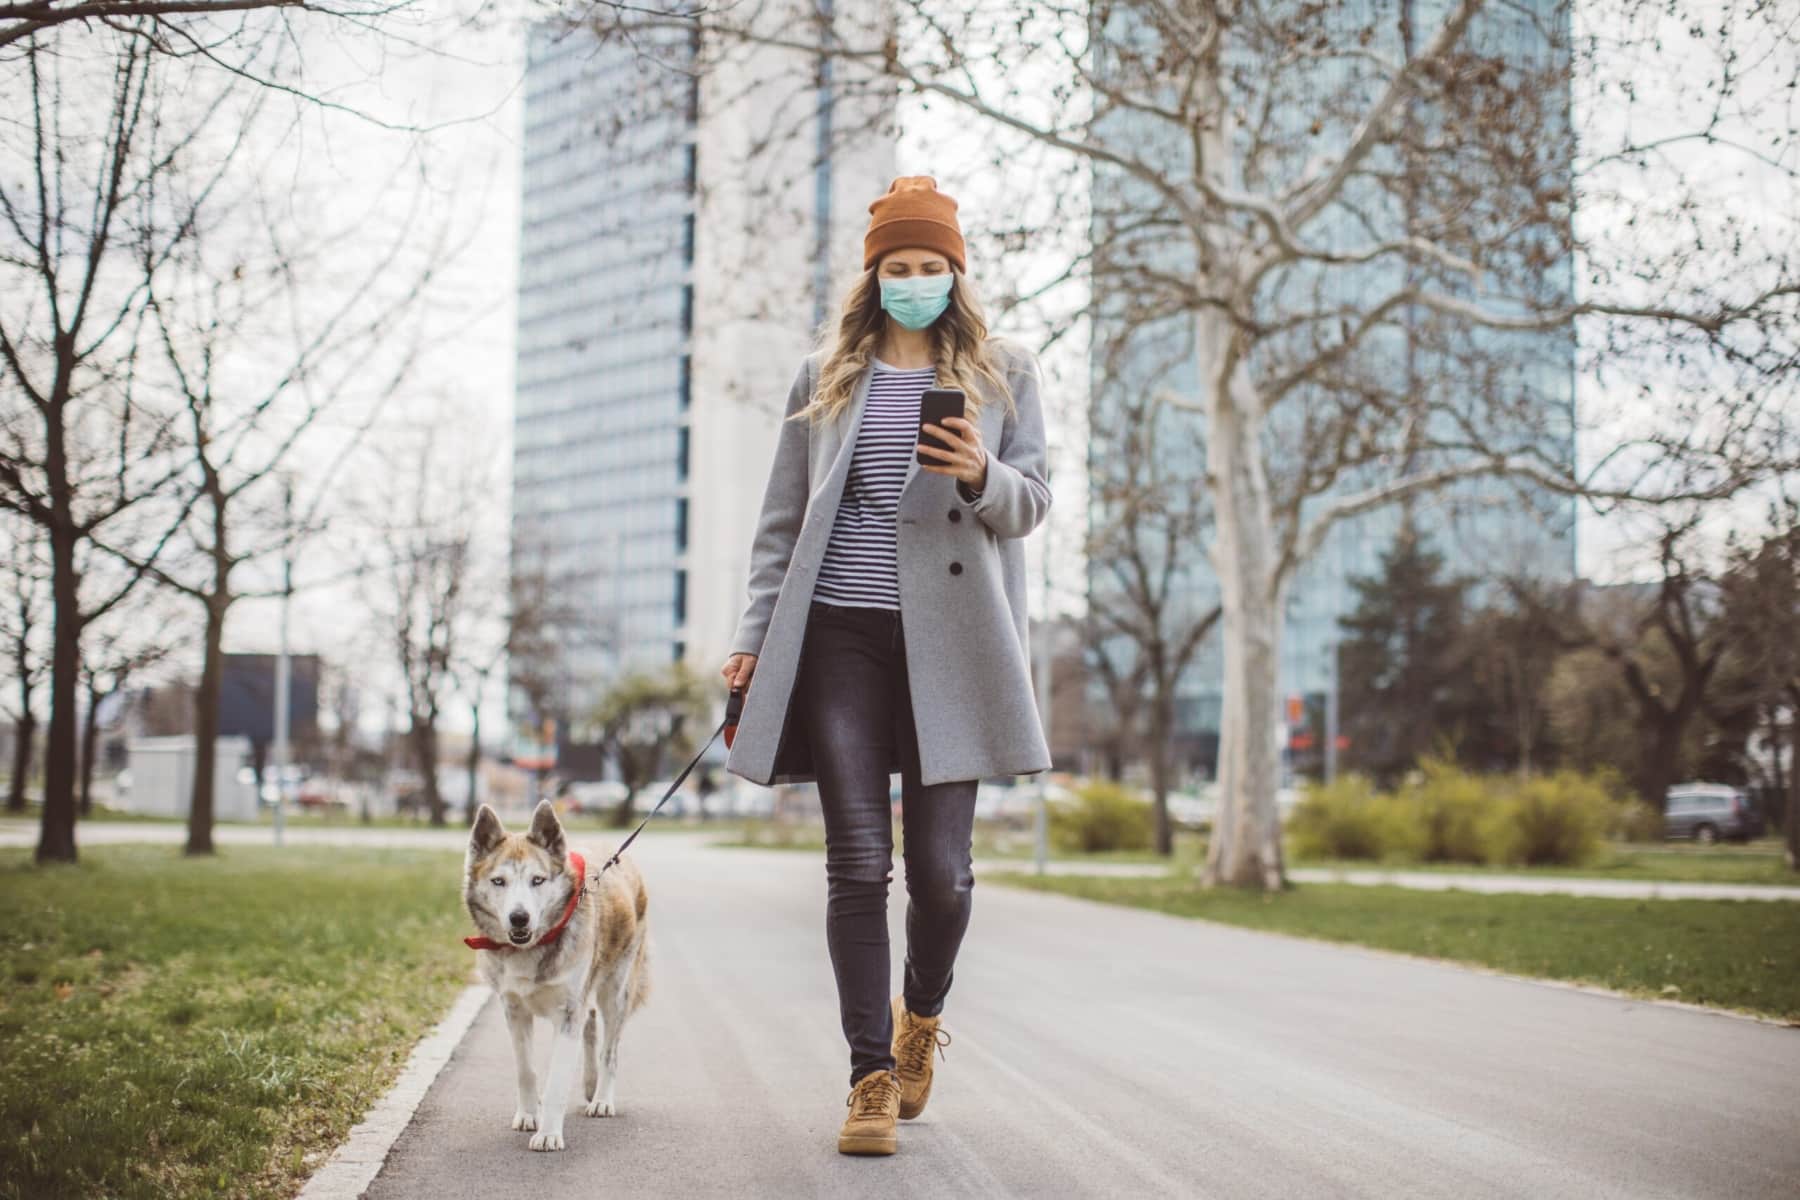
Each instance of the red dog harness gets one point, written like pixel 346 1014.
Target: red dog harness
pixel 555 931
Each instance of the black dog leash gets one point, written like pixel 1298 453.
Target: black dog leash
pixel 733 707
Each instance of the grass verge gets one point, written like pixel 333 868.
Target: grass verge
pixel 1758 862
pixel 1731 954
pixel 210 1027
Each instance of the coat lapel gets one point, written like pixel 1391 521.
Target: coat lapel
pixel 845 431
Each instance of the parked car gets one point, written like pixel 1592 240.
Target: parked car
pixel 1707 812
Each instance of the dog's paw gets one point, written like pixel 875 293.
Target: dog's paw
pixel 601 1108
pixel 524 1121
pixel 547 1141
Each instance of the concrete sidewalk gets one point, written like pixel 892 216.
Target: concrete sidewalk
pixel 1105 1051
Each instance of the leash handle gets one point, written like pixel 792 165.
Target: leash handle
pixel 733 707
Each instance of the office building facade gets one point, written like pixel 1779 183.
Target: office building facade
pixel 673 264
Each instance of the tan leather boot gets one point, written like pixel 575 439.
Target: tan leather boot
pixel 874 1103
pixel 914 1039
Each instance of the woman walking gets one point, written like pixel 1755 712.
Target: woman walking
pixel 886 627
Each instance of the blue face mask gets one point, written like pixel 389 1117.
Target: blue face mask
pixel 916 300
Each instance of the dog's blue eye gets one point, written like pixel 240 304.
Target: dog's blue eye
pixel 537 880
pixel 497 881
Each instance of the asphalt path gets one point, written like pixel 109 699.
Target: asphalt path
pixel 1104 1051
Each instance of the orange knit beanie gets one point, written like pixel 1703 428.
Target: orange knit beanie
pixel 913 213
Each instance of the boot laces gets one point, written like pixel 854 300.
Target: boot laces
pixel 870 1096
pixel 916 1042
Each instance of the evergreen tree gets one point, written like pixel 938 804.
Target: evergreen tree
pixel 1405 673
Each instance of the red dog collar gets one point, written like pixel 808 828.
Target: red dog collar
pixel 555 931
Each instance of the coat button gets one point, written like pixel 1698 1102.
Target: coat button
pixel 956 514
pixel 956 568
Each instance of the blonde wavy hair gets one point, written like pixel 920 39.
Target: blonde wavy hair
pixel 961 348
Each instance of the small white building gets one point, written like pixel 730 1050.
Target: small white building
pixel 162 778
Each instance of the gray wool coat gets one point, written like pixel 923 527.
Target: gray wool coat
pixel 962 589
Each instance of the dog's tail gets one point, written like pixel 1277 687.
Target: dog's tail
pixel 640 972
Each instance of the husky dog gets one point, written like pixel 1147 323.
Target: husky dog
pixel 561 940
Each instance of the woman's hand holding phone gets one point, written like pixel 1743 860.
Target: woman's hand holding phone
pixel 952 441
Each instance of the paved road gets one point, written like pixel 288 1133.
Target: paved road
pixel 1102 1051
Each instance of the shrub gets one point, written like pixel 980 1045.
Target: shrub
pixel 1551 820
pixel 1635 821
pixel 1451 809
pixel 1350 819
pixel 1632 820
pixel 1103 816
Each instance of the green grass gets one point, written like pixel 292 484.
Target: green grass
pixel 1733 954
pixel 210 1027
pixel 1757 862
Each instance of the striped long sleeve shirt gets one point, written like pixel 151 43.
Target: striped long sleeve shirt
pixel 862 562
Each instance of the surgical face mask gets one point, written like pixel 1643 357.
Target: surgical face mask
pixel 916 300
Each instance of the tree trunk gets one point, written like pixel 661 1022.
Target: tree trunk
pixel 425 754
pixel 206 733
pixel 1661 761
pixel 1245 848
pixel 626 810
pixel 24 734
pixel 1160 720
pixel 90 738
pixel 474 763
pixel 56 837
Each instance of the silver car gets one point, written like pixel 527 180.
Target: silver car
pixel 1707 812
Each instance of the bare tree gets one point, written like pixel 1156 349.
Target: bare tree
pixel 645 721
pixel 549 631
pixel 23 579
pixel 1762 618
pixel 158 22
pixel 1369 228
pixel 259 360
pixel 132 640
pixel 1114 731
pixel 1664 640
pixel 476 668
pixel 1149 508
pixel 438 592
pixel 81 443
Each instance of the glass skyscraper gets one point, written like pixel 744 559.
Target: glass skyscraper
pixel 605 313
pixel 660 320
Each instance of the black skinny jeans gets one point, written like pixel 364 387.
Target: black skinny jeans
pixel 851 693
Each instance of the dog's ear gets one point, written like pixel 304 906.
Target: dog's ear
pixel 546 830
pixel 486 834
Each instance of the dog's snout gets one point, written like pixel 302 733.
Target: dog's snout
pixel 519 918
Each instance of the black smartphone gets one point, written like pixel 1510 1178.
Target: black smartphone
pixel 934 406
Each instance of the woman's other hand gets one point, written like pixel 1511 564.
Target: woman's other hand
pixel 738 669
